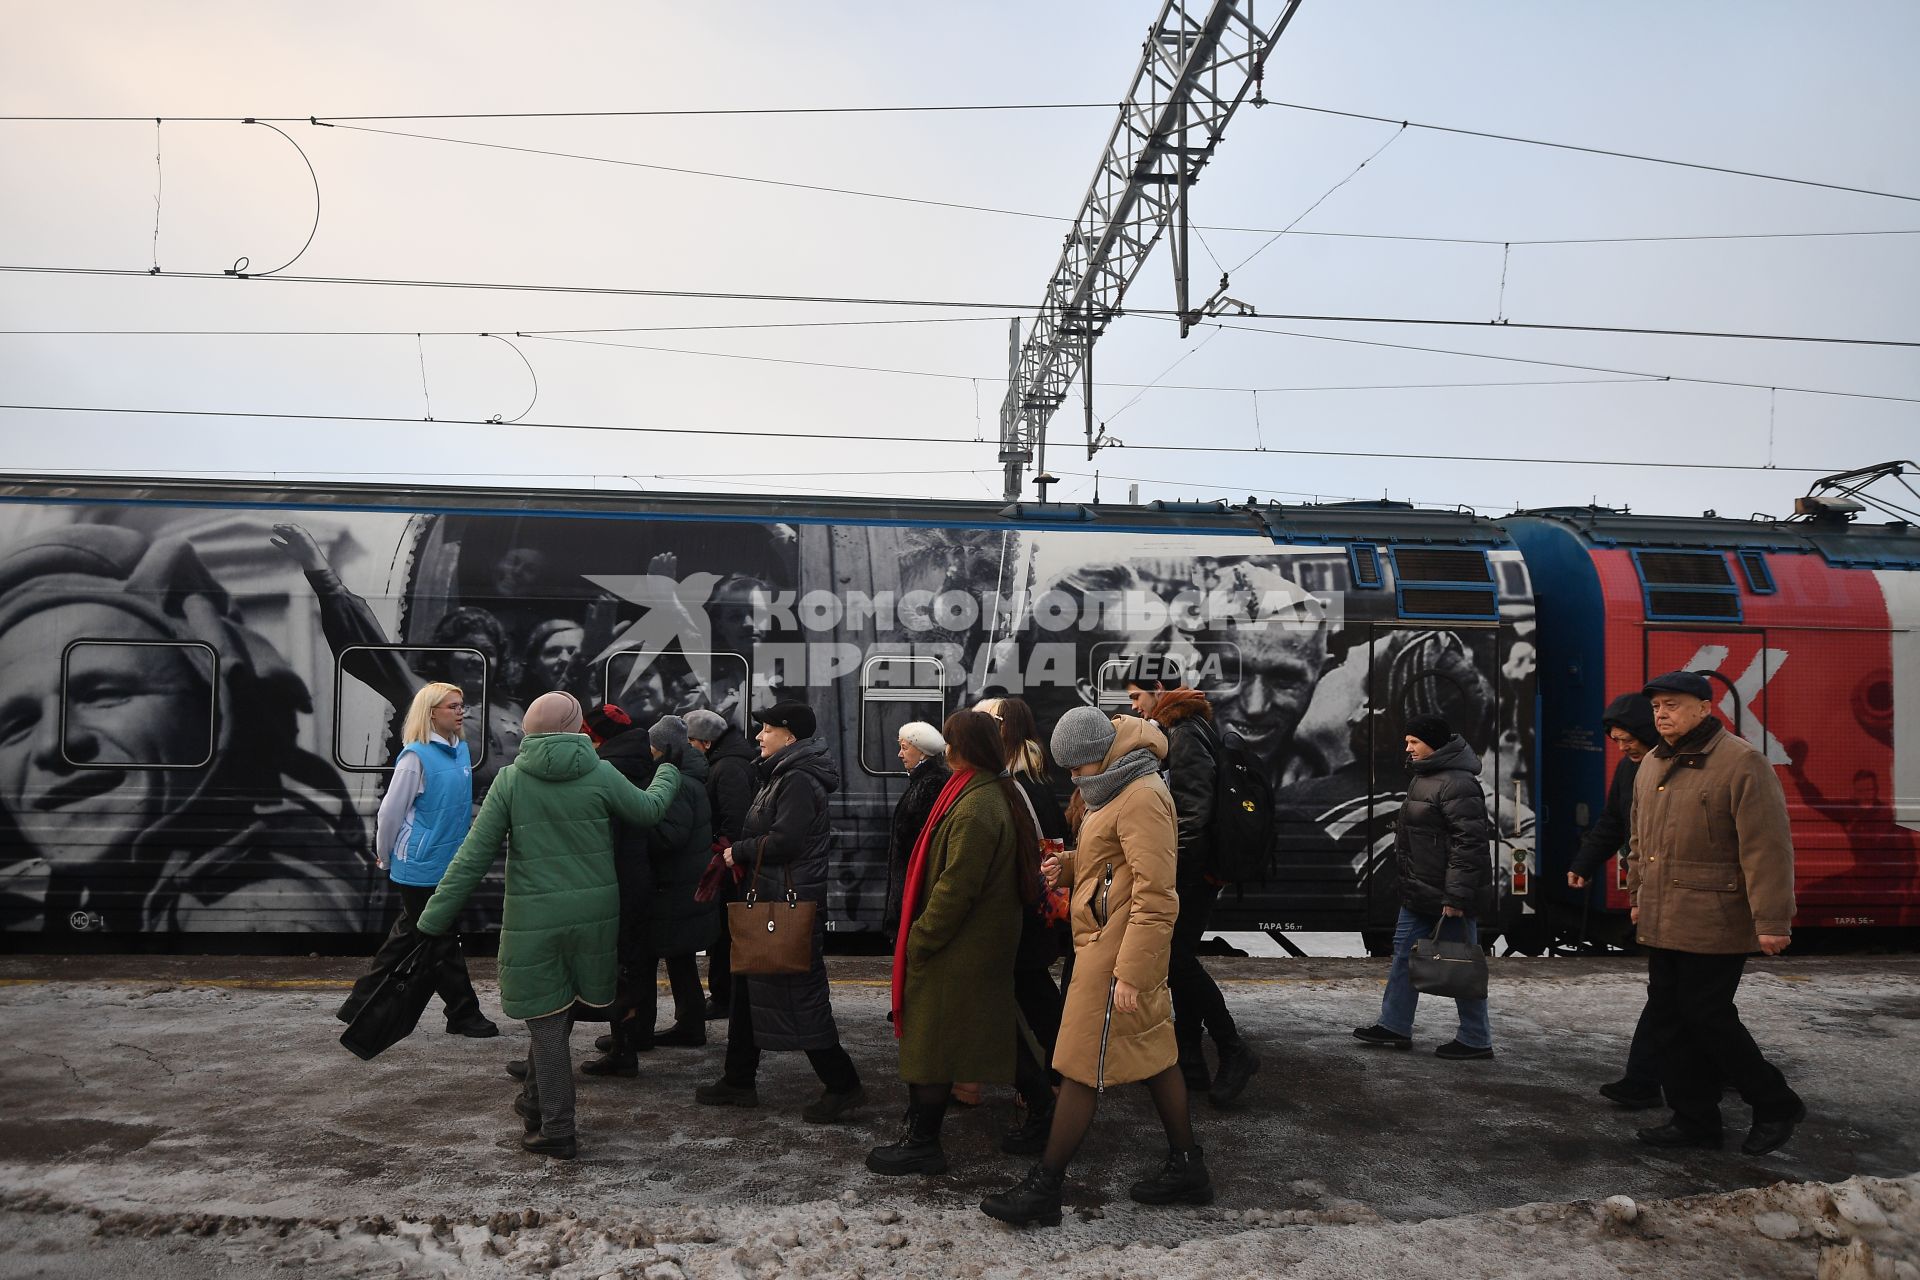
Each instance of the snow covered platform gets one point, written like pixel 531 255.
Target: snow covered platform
pixel 196 1117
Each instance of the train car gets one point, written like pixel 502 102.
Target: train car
pixel 200 681
pixel 1810 632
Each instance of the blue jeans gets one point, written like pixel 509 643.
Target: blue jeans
pixel 1397 1006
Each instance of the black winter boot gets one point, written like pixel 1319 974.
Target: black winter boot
pixel 1237 1065
pixel 918 1150
pixel 1029 1137
pixel 611 1064
pixel 1183 1179
pixel 1034 1199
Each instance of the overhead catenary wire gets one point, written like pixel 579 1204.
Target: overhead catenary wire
pixel 1623 376
pixel 1392 138
pixel 552 336
pixel 486 333
pixel 959 107
pixel 1039 216
pixel 929 303
pixel 711 173
pixel 1563 364
pixel 635 113
pixel 1036 215
pixel 1596 151
pixel 895 438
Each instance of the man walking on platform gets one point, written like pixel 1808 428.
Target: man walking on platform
pixel 1628 721
pixel 1711 880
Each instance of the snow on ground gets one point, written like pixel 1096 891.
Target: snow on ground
pixel 199 1120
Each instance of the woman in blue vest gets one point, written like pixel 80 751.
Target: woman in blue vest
pixel 423 818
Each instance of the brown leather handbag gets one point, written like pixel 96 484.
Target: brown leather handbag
pixel 770 937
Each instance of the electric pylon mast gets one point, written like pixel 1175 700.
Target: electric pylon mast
pixel 1193 74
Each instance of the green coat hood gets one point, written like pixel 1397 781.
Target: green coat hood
pixel 557 757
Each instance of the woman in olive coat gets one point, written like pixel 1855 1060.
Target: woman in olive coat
pixel 971 869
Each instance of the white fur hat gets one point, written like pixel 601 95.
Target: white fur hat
pixel 924 738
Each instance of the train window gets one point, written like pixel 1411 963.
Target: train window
pixel 1441 564
pixel 1110 687
pixel 373 684
pixel 1444 582
pixel 156 702
pixel 1753 564
pixel 1687 586
pixel 649 684
pixel 895 690
pixel 1364 558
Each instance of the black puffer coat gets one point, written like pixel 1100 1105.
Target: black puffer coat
pixel 679 849
pixel 632 755
pixel 789 830
pixel 1440 840
pixel 1608 834
pixel 731 782
pixel 909 816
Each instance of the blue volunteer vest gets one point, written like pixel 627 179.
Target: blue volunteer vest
pixel 441 814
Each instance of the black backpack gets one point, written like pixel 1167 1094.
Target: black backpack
pixel 1240 834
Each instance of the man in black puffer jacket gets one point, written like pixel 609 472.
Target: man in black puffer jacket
pixel 1628 721
pixel 1446 872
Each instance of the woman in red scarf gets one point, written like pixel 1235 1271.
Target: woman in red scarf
pixel 974 866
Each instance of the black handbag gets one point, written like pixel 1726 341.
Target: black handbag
pixel 1455 969
pixel 393 1010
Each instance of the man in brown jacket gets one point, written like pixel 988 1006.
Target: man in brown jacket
pixel 1710 875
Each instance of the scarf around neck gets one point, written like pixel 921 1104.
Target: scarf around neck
pixel 1102 787
pixel 1694 741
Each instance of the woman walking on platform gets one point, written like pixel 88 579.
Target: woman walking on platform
pixel 973 863
pixel 1043 940
pixel 1118 1022
pixel 423 819
pixel 557 802
pixel 788 840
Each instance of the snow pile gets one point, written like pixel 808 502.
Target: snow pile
pixel 1861 1229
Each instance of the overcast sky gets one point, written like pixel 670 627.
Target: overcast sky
pixel 1774 87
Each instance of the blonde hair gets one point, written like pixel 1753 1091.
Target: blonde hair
pixel 419 722
pixel 1023 757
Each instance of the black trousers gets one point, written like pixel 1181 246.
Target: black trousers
pixel 833 1065
pixel 450 979
pixel 683 979
pixel 1198 1005
pixel 720 960
pixel 1039 1003
pixel 1644 1067
pixel 1695 1032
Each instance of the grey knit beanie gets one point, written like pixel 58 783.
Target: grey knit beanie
pixel 669 734
pixel 706 725
pixel 1082 736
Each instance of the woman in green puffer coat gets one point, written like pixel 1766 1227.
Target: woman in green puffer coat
pixel 561 915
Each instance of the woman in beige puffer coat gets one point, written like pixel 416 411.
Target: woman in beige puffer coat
pixel 1118 1022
